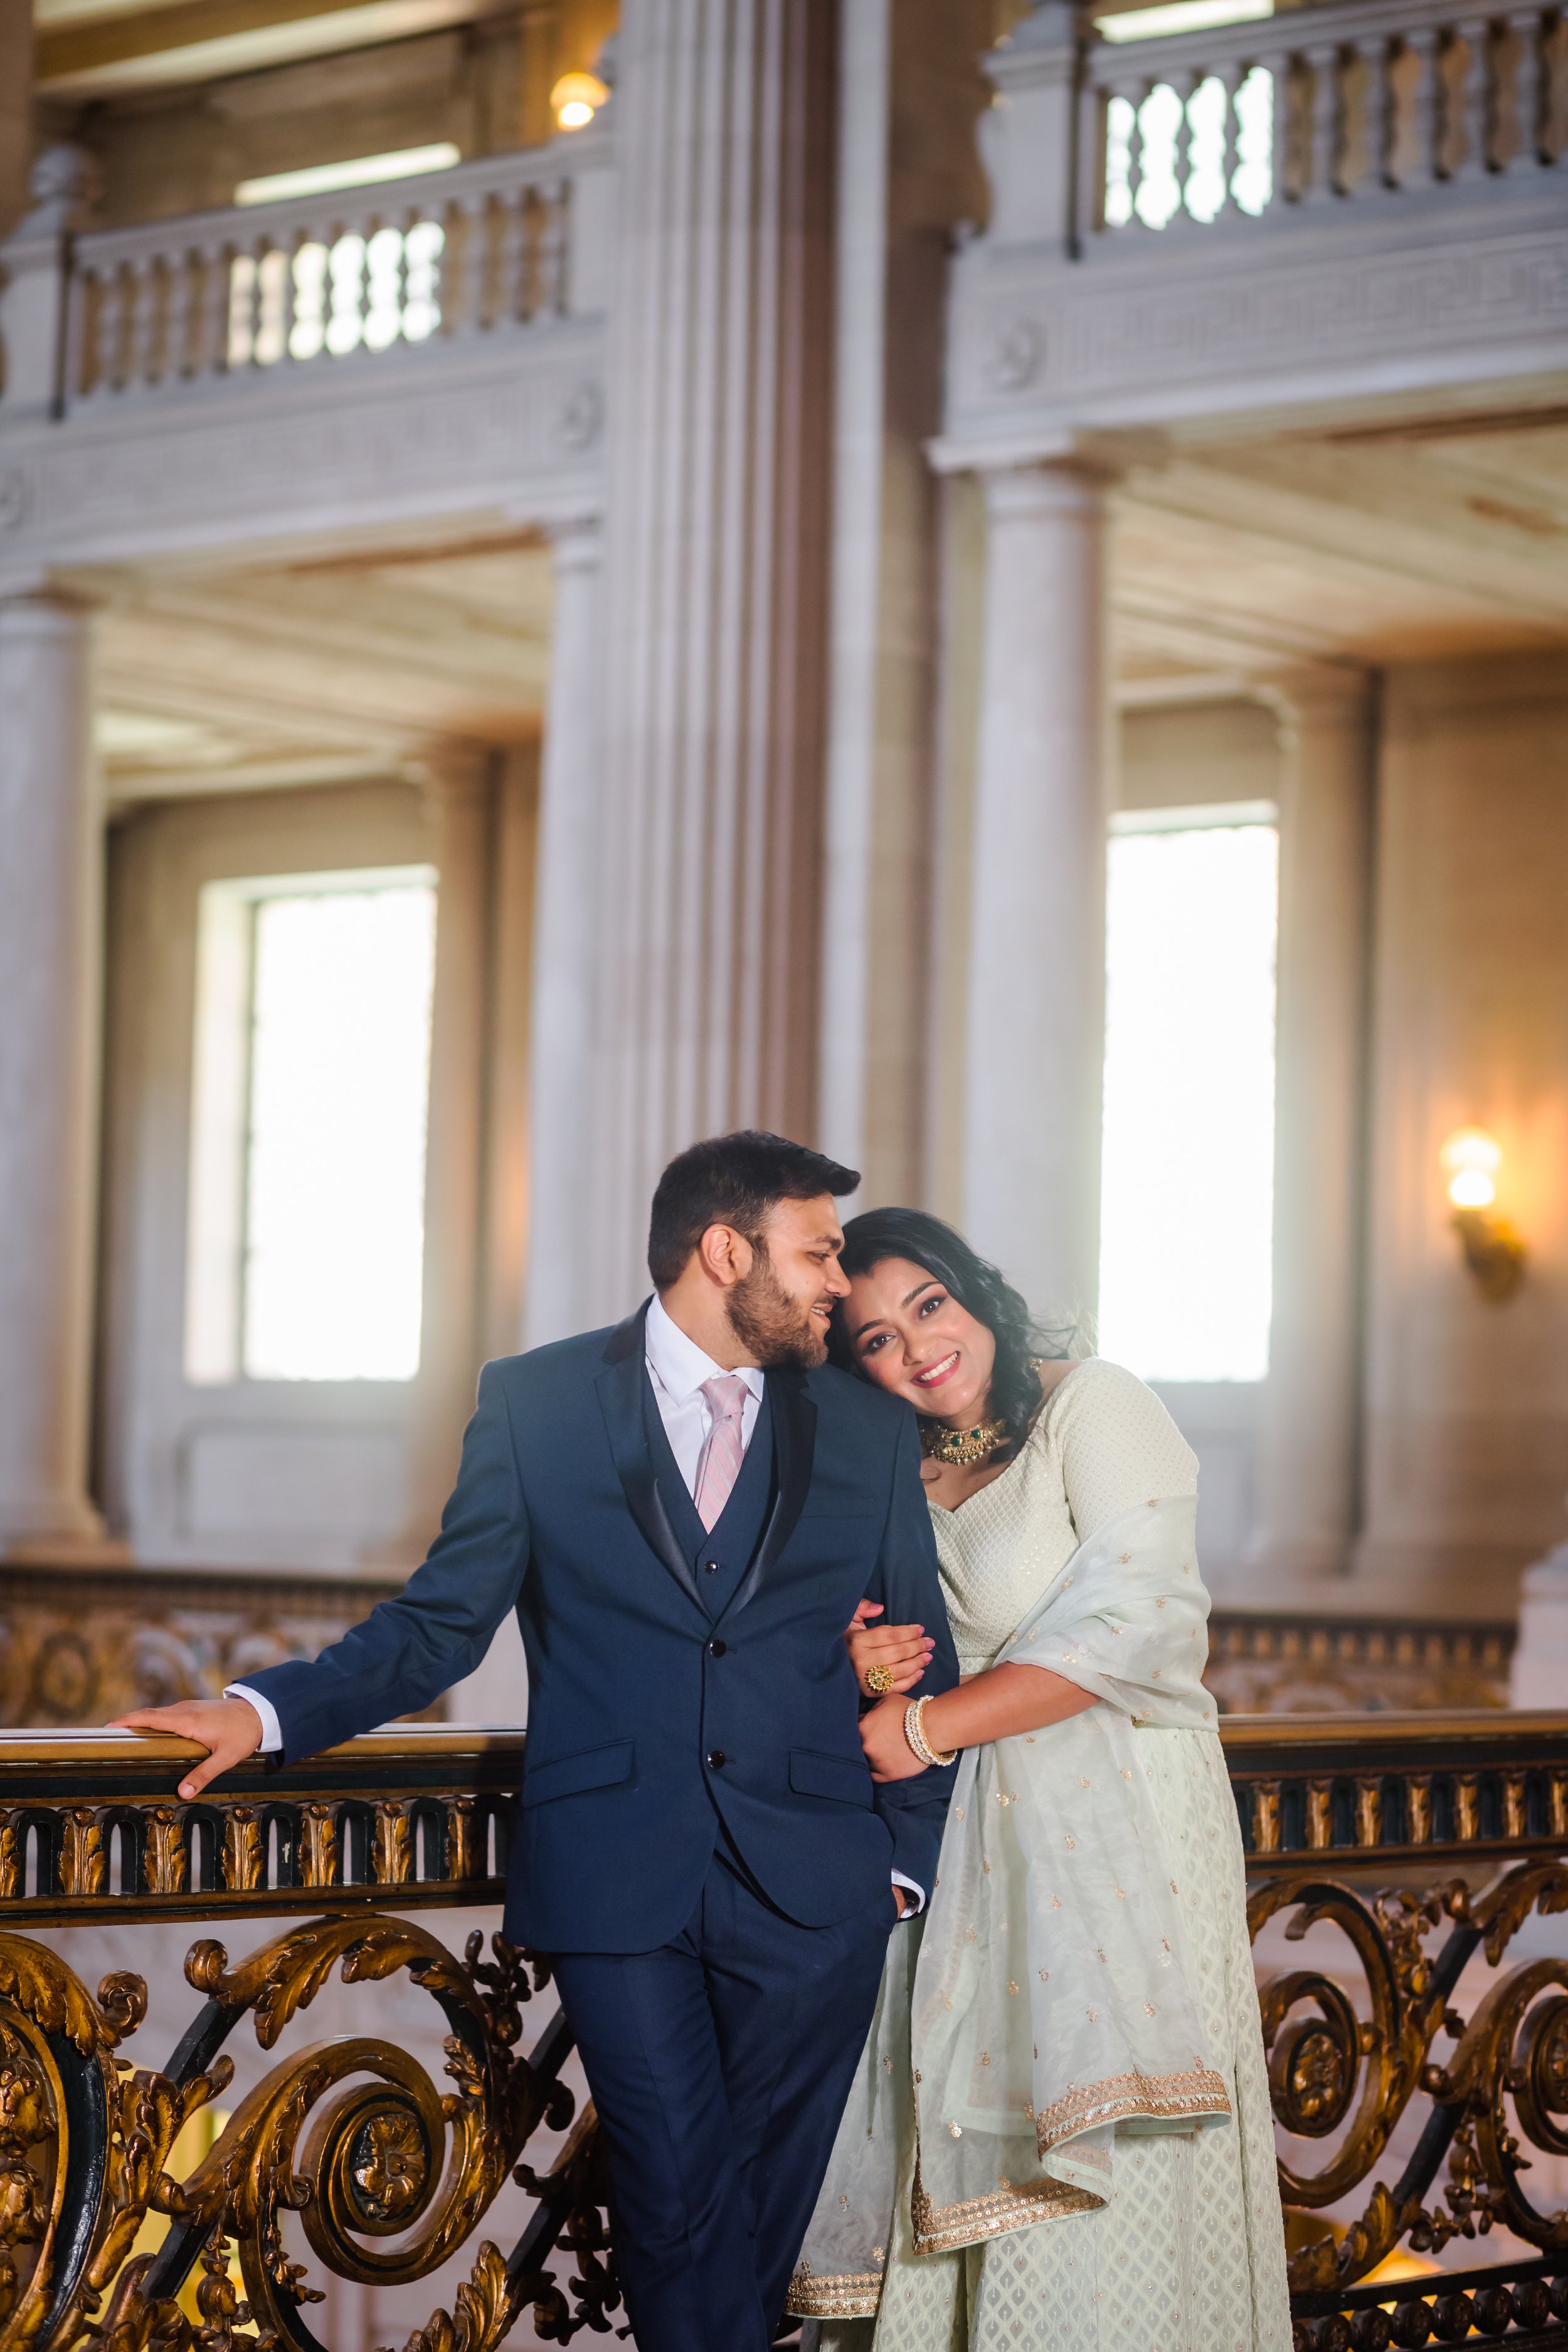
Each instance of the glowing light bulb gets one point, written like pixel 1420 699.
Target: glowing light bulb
pixel 1472 1188
pixel 577 99
pixel 1470 1159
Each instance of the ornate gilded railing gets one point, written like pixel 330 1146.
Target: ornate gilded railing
pixel 388 2176
pixel 1418 2063
pixel 1426 1844
pixel 1302 1662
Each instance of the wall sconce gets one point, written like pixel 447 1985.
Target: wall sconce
pixel 1492 1249
pixel 577 99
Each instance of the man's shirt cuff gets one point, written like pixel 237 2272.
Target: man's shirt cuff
pixel 272 1729
pixel 919 1892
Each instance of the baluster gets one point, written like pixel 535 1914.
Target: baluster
pixel 1320 1814
pixel 1355 146
pixel 1515 1814
pixel 177 324
pixel 1186 88
pixel 469 311
pixel 1092 160
pixel 1466 1808
pixel 210 355
pixel 1418 1809
pixel 110 314
pixel 554 250
pixel 1368 1810
pixel 1515 128
pixel 1266 1817
pixel 289 246
pixel 1135 152
pixel 1552 114
pixel 1466 92
pixel 1425 113
pixel 141 294
pixel 1320 123
pixel 513 288
pixel 78 295
pixel 1230 79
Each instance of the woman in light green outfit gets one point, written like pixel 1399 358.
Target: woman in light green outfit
pixel 1060 2139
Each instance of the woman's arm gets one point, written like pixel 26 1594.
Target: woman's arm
pixel 997 1705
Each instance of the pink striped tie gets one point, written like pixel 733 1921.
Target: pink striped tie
pixel 721 1464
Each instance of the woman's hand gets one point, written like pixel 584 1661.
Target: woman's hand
pixel 887 1752
pixel 902 1650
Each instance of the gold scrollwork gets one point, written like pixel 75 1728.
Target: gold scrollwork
pixel 388 2175
pixel 1332 2072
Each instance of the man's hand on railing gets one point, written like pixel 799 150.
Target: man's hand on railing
pixel 228 1728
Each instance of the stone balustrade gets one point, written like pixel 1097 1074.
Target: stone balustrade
pixel 1314 206
pixel 485 249
pixel 430 346
pixel 1422 2039
pixel 1257 124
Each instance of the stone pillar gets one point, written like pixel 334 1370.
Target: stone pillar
pixel 51 936
pixel 909 91
pixel 716 589
pixel 1033 1080
pixel 1308 1465
pixel 566 953
pixel 443 1398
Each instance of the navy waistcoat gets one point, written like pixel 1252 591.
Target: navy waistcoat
pixel 719 1555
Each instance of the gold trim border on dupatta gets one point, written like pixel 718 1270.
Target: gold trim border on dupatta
pixel 942 2230
pixel 1168 2097
pixel 845 2294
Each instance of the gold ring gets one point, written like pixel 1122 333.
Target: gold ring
pixel 879 1679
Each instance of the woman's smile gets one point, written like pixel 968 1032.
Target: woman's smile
pixel 935 1374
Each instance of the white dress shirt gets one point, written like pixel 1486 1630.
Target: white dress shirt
pixel 677 1367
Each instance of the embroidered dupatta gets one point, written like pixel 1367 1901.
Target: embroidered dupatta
pixel 1052 2001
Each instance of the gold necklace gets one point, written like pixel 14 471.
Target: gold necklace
pixel 963 1445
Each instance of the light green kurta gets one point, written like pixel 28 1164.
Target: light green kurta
pixel 1187 2255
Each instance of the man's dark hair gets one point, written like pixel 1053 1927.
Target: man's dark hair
pixel 732 1180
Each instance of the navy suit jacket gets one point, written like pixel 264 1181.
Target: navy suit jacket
pixel 633 1688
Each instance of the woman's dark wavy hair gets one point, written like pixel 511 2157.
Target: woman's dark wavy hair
pixel 980 1289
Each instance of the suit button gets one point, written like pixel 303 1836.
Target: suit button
pixel 711 1566
pixel 717 1649
pixel 715 1760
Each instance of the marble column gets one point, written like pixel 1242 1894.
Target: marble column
pixel 566 953
pixel 716 592
pixel 459 792
pixel 50 941
pixel 1035 1038
pixel 1312 1402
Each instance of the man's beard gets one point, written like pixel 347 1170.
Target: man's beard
pixel 778 1331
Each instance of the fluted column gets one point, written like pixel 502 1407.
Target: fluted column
pixel 566 950
pixel 1036 1013
pixel 50 925
pixel 715 569
pixel 460 789
pixel 1312 1402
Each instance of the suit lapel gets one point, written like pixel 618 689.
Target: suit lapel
pixel 794 1441
pixel 620 1385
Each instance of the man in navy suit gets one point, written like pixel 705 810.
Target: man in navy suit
pixel 684 1512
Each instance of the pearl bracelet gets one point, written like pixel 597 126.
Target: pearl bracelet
pixel 914 1733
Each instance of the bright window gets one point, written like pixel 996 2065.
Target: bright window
pixel 312 1057
pixel 1188 1189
